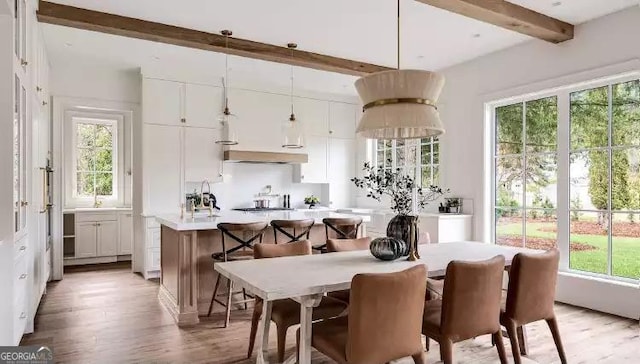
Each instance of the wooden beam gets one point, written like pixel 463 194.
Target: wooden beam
pixel 510 16
pixel 69 16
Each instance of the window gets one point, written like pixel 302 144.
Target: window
pixel 95 158
pixel 592 174
pixel 525 156
pixel 416 158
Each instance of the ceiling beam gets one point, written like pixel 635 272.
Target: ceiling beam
pixel 510 16
pixel 85 19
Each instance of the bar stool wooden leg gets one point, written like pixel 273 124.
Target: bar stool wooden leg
pixel 213 297
pixel 244 298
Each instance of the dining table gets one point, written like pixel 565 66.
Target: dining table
pixel 306 279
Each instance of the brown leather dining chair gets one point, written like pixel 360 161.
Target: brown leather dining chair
pixel 286 313
pixel 531 296
pixel 370 334
pixel 470 306
pixel 345 245
pixel 339 228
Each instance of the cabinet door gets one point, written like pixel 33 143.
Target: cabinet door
pixel 162 102
pixel 342 160
pixel 86 239
pixel 315 170
pixel 107 238
pixel 202 156
pixel 314 116
pixel 260 120
pixel 203 105
pixel 125 241
pixel 342 120
pixel 162 163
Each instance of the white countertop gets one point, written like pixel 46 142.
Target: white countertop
pixel 204 222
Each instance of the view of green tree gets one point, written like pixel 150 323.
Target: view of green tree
pixel 94 150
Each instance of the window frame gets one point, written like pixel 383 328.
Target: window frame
pixel 72 118
pixel 563 209
pixel 417 166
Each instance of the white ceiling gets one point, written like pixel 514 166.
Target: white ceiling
pixel 357 29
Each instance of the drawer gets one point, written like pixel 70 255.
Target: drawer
pixel 19 249
pixel 20 278
pixel 96 216
pixel 20 315
pixel 153 259
pixel 152 223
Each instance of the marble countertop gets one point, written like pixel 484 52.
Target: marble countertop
pixel 204 222
pixel 96 209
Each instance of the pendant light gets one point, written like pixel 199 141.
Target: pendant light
pixel 292 130
pixel 226 119
pixel 400 104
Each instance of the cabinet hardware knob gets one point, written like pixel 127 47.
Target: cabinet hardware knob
pixel 23 248
pixel 44 103
pixel 24 203
pixel 23 316
pixel 183 120
pixel 23 62
pixel 23 276
pixel 38 88
pixel 330 131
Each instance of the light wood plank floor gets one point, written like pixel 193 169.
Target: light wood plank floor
pixel 113 316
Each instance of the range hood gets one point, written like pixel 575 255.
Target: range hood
pixel 242 156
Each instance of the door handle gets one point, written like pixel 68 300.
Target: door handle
pixel 23 276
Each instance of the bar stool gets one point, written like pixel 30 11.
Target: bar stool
pixel 293 230
pixel 339 228
pixel 242 251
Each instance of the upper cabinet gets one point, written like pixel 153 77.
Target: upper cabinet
pixel 314 116
pixel 202 105
pixel 342 120
pixel 202 157
pixel 260 119
pixel 162 102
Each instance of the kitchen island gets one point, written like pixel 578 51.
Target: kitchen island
pixel 186 244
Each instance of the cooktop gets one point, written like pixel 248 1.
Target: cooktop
pixel 249 209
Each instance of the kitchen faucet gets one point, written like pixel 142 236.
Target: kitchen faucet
pixel 202 196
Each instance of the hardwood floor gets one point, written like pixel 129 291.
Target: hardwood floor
pixel 113 316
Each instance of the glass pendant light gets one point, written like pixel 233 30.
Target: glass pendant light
pixel 292 130
pixel 400 104
pixel 227 119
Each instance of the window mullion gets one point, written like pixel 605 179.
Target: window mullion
pixel 563 185
pixel 524 174
pixel 610 166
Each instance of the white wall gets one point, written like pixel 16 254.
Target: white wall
pixel 82 80
pixel 247 180
pixel 598 44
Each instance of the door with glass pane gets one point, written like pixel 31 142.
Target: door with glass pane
pixel 605 180
pixel 525 159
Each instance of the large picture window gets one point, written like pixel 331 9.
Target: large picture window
pixel 418 158
pixel 576 150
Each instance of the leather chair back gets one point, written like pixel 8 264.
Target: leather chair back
pixel 532 286
pixel 302 247
pixel 385 316
pixel 345 245
pixel 471 298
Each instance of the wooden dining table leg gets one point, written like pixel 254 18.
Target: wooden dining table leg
pixel 263 345
pixel 307 303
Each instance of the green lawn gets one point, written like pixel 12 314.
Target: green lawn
pixel 625 257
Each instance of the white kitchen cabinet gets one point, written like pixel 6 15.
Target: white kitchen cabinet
pixel 107 238
pixel 342 160
pixel 86 239
pixel 315 170
pixel 125 230
pixel 151 248
pixel 314 116
pixel 162 101
pixel 447 228
pixel 342 120
pixel 162 164
pixel 260 120
pixel 202 156
pixel 203 105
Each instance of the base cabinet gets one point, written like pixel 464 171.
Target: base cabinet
pixel 151 249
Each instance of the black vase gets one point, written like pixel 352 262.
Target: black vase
pixel 399 227
pixel 388 248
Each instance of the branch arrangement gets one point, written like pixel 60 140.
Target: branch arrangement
pixel 380 181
